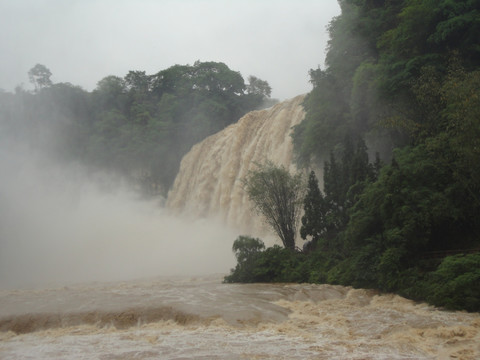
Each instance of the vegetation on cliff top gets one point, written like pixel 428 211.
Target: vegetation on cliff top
pixel 138 126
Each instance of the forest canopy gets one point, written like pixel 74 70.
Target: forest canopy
pixel 138 126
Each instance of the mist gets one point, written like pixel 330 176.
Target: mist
pixel 60 225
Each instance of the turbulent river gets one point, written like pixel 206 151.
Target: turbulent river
pixel 201 318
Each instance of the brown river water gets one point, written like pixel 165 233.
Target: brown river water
pixel 201 318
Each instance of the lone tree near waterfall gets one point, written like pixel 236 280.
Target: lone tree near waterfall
pixel 278 196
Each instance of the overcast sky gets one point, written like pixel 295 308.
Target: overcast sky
pixel 82 41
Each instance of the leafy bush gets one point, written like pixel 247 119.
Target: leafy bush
pixel 278 264
pixel 247 251
pixel 455 284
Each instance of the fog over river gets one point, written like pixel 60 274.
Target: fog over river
pixel 63 225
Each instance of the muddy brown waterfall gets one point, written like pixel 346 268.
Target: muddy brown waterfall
pixel 209 183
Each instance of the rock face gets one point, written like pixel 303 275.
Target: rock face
pixel 209 183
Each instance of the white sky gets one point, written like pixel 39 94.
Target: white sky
pixel 82 41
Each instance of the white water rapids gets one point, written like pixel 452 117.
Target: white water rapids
pixel 201 318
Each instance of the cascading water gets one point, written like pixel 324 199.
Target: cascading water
pixel 209 183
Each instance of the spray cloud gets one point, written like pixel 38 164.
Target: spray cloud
pixel 60 225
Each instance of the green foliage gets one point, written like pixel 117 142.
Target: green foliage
pixel 276 264
pixel 314 222
pixel 455 284
pixel 326 216
pixel 413 208
pixel 376 73
pixel 347 96
pixel 426 33
pixel 461 115
pixel 325 124
pixel 277 196
pixel 245 247
pixel 138 126
pixel 344 182
pixel 247 251
pixel 258 86
pixel 405 76
pixel 39 76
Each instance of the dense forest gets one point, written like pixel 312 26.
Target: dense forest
pixel 138 126
pixel 394 120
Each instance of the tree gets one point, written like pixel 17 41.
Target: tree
pixel 216 77
pixel 258 87
pixel 344 181
pixel 277 195
pixel 110 93
pixel 314 222
pixel 138 81
pixel 39 76
pixel 245 247
pixel 454 284
pixel 247 250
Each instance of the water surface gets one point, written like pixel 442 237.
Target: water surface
pixel 201 318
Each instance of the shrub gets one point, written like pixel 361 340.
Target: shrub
pixel 455 284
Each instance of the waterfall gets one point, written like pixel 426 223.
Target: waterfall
pixel 209 183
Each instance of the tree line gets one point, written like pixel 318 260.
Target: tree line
pixel 138 126
pixel 403 82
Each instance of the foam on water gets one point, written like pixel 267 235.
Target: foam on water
pixel 200 318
